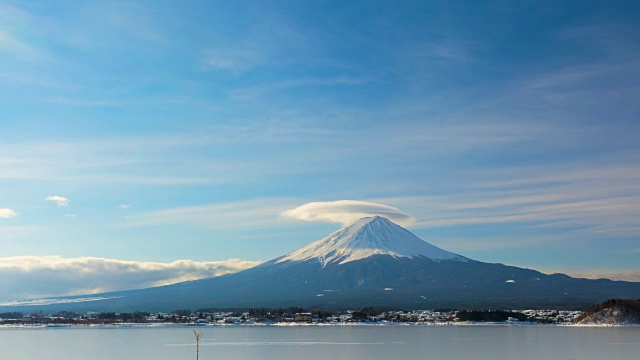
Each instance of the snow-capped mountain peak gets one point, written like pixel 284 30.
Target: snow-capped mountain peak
pixel 367 237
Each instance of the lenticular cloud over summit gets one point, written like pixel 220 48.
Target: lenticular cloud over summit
pixel 347 211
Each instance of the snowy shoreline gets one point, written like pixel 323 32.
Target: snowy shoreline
pixel 285 324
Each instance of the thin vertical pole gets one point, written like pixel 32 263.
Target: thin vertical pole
pixel 198 336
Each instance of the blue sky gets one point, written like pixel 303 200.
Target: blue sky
pixel 137 134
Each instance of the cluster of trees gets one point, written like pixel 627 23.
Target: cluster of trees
pixel 360 314
pixel 279 312
pixel 631 305
pixel 490 315
pixel 137 316
pixel 71 317
pixel 284 312
pixel 182 312
pixel 11 315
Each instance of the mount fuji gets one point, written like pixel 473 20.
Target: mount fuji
pixel 371 262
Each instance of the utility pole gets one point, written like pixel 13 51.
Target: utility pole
pixel 198 335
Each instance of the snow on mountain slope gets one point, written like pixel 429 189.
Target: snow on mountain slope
pixel 366 237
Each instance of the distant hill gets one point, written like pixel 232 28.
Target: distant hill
pixel 372 262
pixel 612 312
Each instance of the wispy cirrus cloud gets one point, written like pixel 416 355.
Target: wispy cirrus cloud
pixel 14 231
pixel 345 212
pixel 43 276
pixel 203 157
pixel 59 200
pixel 6 213
pixel 160 159
pixel 228 59
pixel 259 90
pixel 601 200
pixel 15 47
pixel 259 213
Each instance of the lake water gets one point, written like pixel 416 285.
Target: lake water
pixel 321 342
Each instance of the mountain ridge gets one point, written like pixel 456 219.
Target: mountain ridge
pixel 371 262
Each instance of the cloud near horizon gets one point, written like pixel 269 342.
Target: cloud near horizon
pixel 24 277
pixel 7 213
pixel 59 200
pixel 601 274
pixel 346 211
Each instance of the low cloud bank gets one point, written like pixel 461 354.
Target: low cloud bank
pixel 346 211
pixel 24 277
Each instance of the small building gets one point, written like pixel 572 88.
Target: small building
pixel 303 317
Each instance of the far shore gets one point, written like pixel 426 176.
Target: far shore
pixel 294 324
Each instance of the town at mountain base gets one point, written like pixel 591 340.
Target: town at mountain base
pixel 372 262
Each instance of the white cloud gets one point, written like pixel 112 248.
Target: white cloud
pixel 7 213
pixel 59 200
pixel 124 206
pixel 44 276
pixel 346 211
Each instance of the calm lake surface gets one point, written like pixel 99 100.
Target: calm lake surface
pixel 321 342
